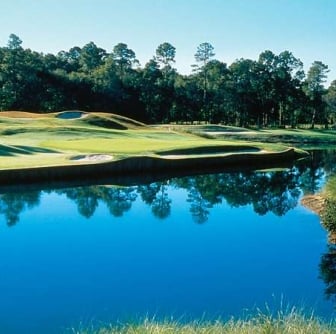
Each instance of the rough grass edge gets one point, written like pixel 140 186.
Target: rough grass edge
pixel 293 322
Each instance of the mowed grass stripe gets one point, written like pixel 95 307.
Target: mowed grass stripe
pixel 137 145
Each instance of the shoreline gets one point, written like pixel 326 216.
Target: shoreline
pixel 317 204
pixel 142 165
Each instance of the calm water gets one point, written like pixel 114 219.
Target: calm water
pixel 201 246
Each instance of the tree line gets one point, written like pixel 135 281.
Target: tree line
pixel 271 91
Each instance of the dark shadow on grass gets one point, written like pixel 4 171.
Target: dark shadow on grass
pixel 10 132
pixel 9 150
pixel 34 149
pixel 105 123
pixel 210 150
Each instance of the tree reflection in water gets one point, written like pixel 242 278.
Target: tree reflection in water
pixel 328 272
pixel 12 204
pixel 275 192
pixel 270 191
pixel 86 199
pixel 156 196
pixel 117 199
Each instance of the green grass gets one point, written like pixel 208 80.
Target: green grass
pixel 138 142
pixel 298 136
pixel 293 136
pixel 293 322
pixel 330 189
pixel 49 140
pixel 328 214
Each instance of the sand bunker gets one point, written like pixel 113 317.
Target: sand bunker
pixel 70 114
pixel 229 133
pixel 92 158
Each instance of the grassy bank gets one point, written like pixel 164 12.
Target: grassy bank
pixel 324 204
pixel 292 323
pixel 328 211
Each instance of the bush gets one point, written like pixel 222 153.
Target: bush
pixel 329 215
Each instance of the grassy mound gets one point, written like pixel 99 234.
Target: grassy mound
pixel 105 122
pixel 111 121
pixel 21 114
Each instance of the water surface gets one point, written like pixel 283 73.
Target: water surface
pixel 207 246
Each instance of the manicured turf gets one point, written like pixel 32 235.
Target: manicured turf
pixel 299 137
pixel 29 140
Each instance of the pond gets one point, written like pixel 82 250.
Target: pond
pixel 207 246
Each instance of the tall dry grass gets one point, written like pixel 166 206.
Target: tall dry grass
pixel 292 322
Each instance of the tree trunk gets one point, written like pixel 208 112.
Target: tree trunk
pixel 313 119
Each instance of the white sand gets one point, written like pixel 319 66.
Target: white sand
pixel 92 158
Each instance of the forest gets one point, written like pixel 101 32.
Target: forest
pixel 272 91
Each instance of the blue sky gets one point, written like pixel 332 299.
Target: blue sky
pixel 236 28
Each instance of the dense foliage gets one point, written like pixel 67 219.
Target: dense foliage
pixel 270 91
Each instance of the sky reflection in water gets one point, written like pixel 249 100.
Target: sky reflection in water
pixel 214 244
